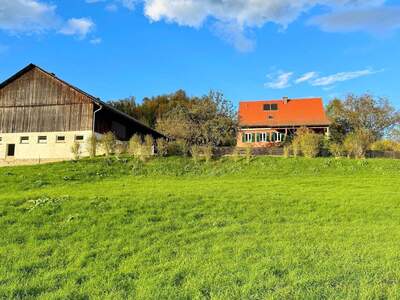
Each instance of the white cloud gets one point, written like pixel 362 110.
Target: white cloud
pixel 113 4
pixel 244 14
pixel 27 16
pixel 306 77
pixel 111 7
pixel 36 16
pixel 79 27
pixel 96 41
pixel 342 76
pixel 282 79
pixel 376 20
pixel 279 80
pixel 234 35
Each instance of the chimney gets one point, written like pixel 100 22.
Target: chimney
pixel 285 99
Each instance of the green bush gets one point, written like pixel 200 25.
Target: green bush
pixel 248 153
pixel 178 147
pixel 195 151
pixel 286 151
pixel 120 149
pixel 337 150
pixel 385 145
pixel 108 142
pixel 208 152
pixel 357 143
pixel 135 145
pixel 308 142
pixel 91 145
pixel 295 147
pixel 147 147
pixel 236 154
pixel 76 150
pixel 162 147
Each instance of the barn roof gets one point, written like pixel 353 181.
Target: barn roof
pixel 290 112
pixel 95 100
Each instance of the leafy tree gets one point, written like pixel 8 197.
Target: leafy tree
pixel 153 108
pixel 210 120
pixel 394 134
pixel 364 112
pixel 127 105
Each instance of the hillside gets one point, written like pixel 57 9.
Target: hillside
pixel 170 228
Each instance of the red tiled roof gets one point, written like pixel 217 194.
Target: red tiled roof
pixel 295 112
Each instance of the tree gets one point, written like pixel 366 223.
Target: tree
pixel 365 112
pixel 209 120
pixel 154 108
pixel 126 105
pixel 340 126
pixel 394 134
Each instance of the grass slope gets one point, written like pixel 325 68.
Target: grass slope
pixel 172 229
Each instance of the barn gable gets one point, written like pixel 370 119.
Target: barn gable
pixel 34 100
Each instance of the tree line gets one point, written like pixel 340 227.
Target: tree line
pixel 359 122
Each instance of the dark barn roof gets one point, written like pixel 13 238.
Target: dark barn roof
pixel 95 100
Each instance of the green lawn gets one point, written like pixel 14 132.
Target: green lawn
pixel 172 229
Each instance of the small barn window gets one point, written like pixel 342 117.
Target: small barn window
pixel 274 106
pixel 60 139
pixel 42 139
pixel 24 140
pixel 267 106
pixel 79 138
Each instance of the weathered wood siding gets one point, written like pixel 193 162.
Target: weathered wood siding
pixel 38 102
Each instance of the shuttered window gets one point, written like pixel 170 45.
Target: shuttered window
pixel 42 139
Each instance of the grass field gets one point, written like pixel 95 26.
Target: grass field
pixel 172 229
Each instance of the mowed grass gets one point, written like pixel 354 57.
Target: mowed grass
pixel 172 229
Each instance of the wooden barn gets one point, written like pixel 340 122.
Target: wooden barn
pixel 41 116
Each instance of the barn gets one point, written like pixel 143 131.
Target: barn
pixel 42 116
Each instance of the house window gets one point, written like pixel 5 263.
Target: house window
pixel 277 137
pixel 273 106
pixel 248 137
pixel 60 139
pixel 24 140
pixel 42 139
pixel 263 137
pixel 79 138
pixel 274 137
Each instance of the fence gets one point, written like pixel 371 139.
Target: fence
pixel 278 151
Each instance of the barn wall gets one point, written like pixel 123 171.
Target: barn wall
pixel 37 102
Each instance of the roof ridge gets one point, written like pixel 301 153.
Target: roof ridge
pixel 93 98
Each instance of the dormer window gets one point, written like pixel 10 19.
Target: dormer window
pixel 269 107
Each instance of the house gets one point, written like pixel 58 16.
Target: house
pixel 264 123
pixel 41 116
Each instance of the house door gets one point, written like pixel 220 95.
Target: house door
pixel 11 150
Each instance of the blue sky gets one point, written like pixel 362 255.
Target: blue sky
pixel 248 49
